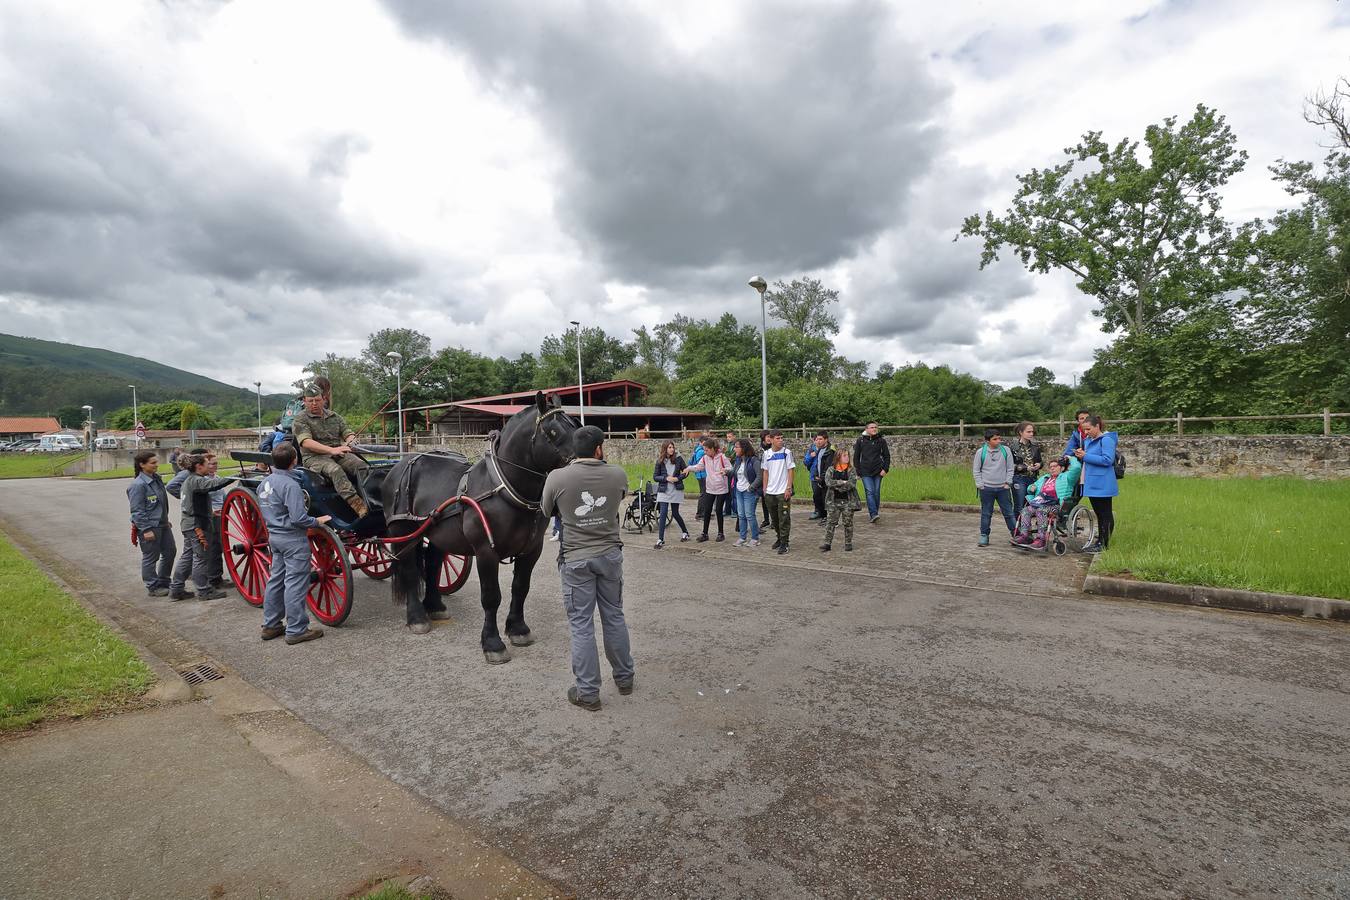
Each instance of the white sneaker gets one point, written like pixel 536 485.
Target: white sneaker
pixel 684 538
pixel 740 542
pixel 755 542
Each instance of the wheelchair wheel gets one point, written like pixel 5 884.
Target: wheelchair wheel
pixel 1082 528
pixel 1059 547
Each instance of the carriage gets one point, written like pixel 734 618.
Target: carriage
pixel 345 544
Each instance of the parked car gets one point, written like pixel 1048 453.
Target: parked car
pixel 107 442
pixel 21 445
pixel 59 443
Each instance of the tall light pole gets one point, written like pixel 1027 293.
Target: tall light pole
pixel 581 382
pixel 759 284
pixel 135 415
pixel 258 385
pixel 397 359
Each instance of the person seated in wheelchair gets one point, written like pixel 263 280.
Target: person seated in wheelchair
pixel 1049 498
pixel 326 448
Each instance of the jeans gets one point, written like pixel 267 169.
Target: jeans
pixel 747 523
pixel 872 488
pixel 818 499
pixel 586 584
pixel 1020 483
pixel 288 584
pixel 987 498
pixel 780 515
pixel 669 511
pixel 161 551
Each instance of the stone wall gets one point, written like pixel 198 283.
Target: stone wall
pixel 1306 456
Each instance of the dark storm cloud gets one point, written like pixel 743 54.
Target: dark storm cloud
pixel 109 180
pixel 784 147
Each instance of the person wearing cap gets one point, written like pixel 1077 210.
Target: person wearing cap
pixel 588 494
pixel 326 448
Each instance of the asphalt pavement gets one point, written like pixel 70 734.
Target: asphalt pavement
pixel 920 719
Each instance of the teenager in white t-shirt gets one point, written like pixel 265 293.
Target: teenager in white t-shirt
pixel 778 466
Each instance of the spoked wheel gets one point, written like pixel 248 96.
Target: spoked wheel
pixel 1082 528
pixel 244 536
pixel 372 557
pixel 454 571
pixel 330 588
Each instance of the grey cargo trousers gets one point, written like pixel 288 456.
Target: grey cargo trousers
pixel 586 584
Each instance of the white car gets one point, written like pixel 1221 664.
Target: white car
pixel 107 442
pixel 59 443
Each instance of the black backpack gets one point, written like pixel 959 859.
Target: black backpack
pixel 1119 465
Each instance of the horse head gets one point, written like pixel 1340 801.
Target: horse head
pixel 540 436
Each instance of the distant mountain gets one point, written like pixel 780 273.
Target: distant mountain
pixel 44 377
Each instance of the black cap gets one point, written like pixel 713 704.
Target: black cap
pixel 585 439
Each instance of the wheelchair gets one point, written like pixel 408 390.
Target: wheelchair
pixel 1070 527
pixel 641 513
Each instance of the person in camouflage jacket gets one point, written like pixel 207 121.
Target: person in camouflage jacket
pixel 841 498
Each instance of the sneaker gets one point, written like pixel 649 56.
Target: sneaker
pixel 755 542
pixel 591 705
pixel 720 538
pixel 984 540
pixel 625 687
pixel 1038 544
pixel 684 539
pixel 210 594
pixel 1093 548
pixel 824 548
pixel 814 516
pixel 873 520
pixel 182 595
pixel 157 592
pixel 783 549
pixel 763 525
pixel 740 542
pixel 271 634
pixel 553 536
pixel 848 548
pixel 659 545
pixel 702 538
pixel 309 634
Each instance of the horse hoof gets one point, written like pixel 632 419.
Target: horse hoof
pixel 419 627
pixel 496 658
pixel 440 615
pixel 521 640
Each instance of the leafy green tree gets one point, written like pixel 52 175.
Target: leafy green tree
pixel 70 416
pixel 1040 378
pixel 517 374
pixel 657 348
pixel 456 373
pixel 354 391
pixel 601 357
pixel 1144 238
pixel 193 416
pixel 795 355
pixel 729 389
pixel 804 305
pixel 706 344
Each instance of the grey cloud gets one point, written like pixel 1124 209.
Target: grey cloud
pixel 787 146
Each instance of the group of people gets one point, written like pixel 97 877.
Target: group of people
pixel 736 477
pixel 1030 491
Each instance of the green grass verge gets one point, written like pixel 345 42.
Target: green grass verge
pixel 55 659
pixel 35 465
pixel 1284 535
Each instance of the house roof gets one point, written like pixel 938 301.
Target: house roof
pixel 35 424
pixel 526 395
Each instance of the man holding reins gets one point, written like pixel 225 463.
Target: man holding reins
pixel 326 448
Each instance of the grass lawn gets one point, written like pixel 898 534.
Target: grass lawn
pixel 55 659
pixel 35 465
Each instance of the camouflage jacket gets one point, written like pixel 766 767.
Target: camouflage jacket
pixel 328 429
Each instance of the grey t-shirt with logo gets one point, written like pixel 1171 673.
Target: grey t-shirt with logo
pixel 588 495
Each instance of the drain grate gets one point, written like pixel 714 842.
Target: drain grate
pixel 201 673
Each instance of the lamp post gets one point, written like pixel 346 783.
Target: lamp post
pixel 397 359
pixel 759 284
pixel 88 437
pixel 135 415
pixel 258 385
pixel 581 382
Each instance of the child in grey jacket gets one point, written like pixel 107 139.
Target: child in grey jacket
pixel 992 468
pixel 197 524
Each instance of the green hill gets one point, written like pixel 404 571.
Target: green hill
pixel 52 378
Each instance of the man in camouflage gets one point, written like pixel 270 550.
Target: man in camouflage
pixel 326 448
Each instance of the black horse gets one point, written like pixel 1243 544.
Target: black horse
pixel 507 484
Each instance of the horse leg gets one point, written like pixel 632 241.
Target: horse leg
pixel 431 577
pixel 491 593
pixel 517 632
pixel 407 573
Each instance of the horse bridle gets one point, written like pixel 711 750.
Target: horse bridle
pixel 503 483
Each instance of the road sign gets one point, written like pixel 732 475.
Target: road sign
pixel 140 432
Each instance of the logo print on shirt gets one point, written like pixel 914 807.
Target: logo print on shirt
pixel 589 504
pixel 266 490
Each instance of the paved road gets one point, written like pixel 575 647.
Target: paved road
pixel 831 732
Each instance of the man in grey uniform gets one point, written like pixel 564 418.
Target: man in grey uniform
pixel 588 495
pixel 283 509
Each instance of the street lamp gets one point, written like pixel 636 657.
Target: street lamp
pixel 581 382
pixel 397 359
pixel 258 385
pixel 135 416
pixel 759 284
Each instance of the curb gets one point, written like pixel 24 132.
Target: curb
pixel 1220 598
pixel 930 507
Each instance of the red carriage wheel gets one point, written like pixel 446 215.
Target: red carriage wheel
pixel 244 536
pixel 454 571
pixel 372 557
pixel 330 589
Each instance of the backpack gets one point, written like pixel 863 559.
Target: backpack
pixel 984 452
pixel 1119 465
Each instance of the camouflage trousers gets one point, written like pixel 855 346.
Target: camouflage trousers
pixel 839 509
pixel 344 471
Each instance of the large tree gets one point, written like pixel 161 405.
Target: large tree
pixel 601 357
pixel 1144 236
pixel 804 305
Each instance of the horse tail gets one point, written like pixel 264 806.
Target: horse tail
pixel 407 580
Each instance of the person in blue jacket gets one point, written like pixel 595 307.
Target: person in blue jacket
pixel 282 502
pixel 150 523
pixel 1098 455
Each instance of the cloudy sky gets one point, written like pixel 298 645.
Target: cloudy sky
pixel 238 187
